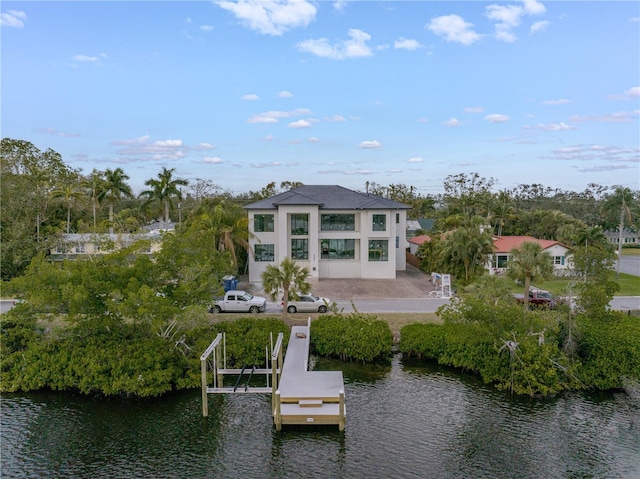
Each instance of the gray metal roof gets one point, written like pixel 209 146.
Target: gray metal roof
pixel 327 197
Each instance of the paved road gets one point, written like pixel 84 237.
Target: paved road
pixel 630 265
pixel 419 305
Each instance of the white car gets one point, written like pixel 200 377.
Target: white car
pixel 307 303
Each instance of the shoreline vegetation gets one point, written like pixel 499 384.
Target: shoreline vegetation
pixel 526 353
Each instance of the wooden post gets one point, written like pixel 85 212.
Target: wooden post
pixel 219 376
pixel 341 409
pixel 205 398
pixel 277 414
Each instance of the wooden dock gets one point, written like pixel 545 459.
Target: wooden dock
pixel 298 396
pixel 307 397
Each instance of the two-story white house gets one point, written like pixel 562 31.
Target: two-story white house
pixel 332 231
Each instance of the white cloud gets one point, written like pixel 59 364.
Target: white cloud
pixel 336 118
pixel 453 121
pixel 61 134
pixel 533 7
pixel 559 101
pixel 417 159
pixel 285 94
pixel 313 139
pixel 356 47
pixel 406 44
pixel 618 117
pixel 539 26
pixel 370 145
pixel 13 19
pixel 552 127
pixel 273 17
pixel 340 5
pixel 85 58
pixel 509 17
pixel 158 150
pixel 496 118
pixel 274 116
pixel 300 124
pixel 212 160
pixel 205 146
pixel 250 97
pixel 206 28
pixel 133 141
pixel 630 94
pixel 359 172
pixel 265 165
pixel 454 28
pixel 473 109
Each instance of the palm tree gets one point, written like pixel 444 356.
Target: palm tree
pixel 115 187
pixel 287 276
pixel 94 184
pixel 465 250
pixel 502 210
pixel 68 191
pixel 529 263
pixel 622 199
pixel 163 189
pixel 229 226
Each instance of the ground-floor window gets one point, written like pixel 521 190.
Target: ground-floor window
pixel 378 250
pixel 264 252
pixel 558 260
pixel 299 249
pixel 337 249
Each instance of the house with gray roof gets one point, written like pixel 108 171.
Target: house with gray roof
pixel 333 231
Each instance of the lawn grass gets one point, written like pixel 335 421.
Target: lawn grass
pixel 629 285
pixel 630 251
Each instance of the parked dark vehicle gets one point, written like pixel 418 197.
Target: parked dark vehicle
pixel 540 299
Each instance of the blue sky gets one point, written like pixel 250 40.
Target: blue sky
pixel 330 92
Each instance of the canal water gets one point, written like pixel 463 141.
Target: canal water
pixel 403 421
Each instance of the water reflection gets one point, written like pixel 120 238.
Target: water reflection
pixel 403 420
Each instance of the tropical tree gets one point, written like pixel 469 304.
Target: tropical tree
pixel 624 201
pixel 94 184
pixel 529 262
pixel 289 277
pixel 164 189
pixel 114 189
pixel 68 191
pixel 227 224
pixel 464 251
pixel 501 210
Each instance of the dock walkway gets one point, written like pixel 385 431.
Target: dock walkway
pixel 307 397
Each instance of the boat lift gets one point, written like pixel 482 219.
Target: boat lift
pixel 214 359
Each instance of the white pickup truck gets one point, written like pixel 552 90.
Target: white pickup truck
pixel 238 302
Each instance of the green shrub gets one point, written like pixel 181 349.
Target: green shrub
pixel 609 350
pixel 354 337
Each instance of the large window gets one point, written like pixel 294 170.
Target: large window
pixel 263 223
pixel 337 249
pixel 379 222
pixel 299 224
pixel 264 252
pixel 335 222
pixel 299 249
pixel 378 250
pixel 500 261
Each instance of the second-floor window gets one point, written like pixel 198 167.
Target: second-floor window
pixel 338 222
pixel 263 223
pixel 299 224
pixel 379 222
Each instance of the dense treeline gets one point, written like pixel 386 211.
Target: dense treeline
pixel 43 197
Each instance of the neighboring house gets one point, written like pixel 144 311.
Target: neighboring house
pixel 72 246
pixel 504 244
pixel 333 231
pixel 628 237
pixel 416 242
pixel 423 224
